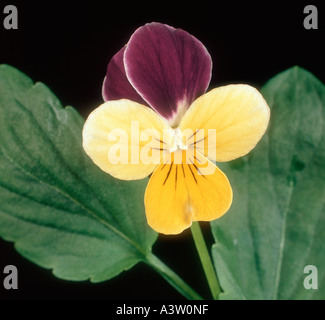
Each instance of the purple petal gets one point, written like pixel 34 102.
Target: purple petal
pixel 168 67
pixel 116 85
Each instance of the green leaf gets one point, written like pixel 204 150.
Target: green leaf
pixel 276 226
pixel 62 212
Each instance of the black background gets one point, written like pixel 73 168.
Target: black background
pixel 67 45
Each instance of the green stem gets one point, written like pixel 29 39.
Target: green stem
pixel 172 278
pixel 205 260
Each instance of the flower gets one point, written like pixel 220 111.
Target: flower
pixel 157 119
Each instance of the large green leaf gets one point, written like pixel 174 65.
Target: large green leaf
pixel 276 225
pixel 61 211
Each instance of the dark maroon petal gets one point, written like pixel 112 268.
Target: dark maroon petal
pixel 168 67
pixel 116 85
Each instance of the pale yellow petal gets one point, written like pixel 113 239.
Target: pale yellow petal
pixel 187 188
pixel 125 139
pixel 227 122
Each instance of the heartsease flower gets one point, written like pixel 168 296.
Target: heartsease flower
pixel 157 119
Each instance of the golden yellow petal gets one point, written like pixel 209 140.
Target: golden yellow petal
pixel 125 139
pixel 227 122
pixel 187 188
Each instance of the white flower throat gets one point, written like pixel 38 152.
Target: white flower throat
pixel 177 140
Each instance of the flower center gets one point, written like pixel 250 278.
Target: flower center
pixel 177 140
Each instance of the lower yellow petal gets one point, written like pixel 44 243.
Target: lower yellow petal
pixel 125 139
pixel 187 188
pixel 227 122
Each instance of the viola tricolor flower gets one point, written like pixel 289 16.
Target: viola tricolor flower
pixel 157 120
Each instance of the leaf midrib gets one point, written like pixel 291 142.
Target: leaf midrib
pixel 287 208
pixel 282 241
